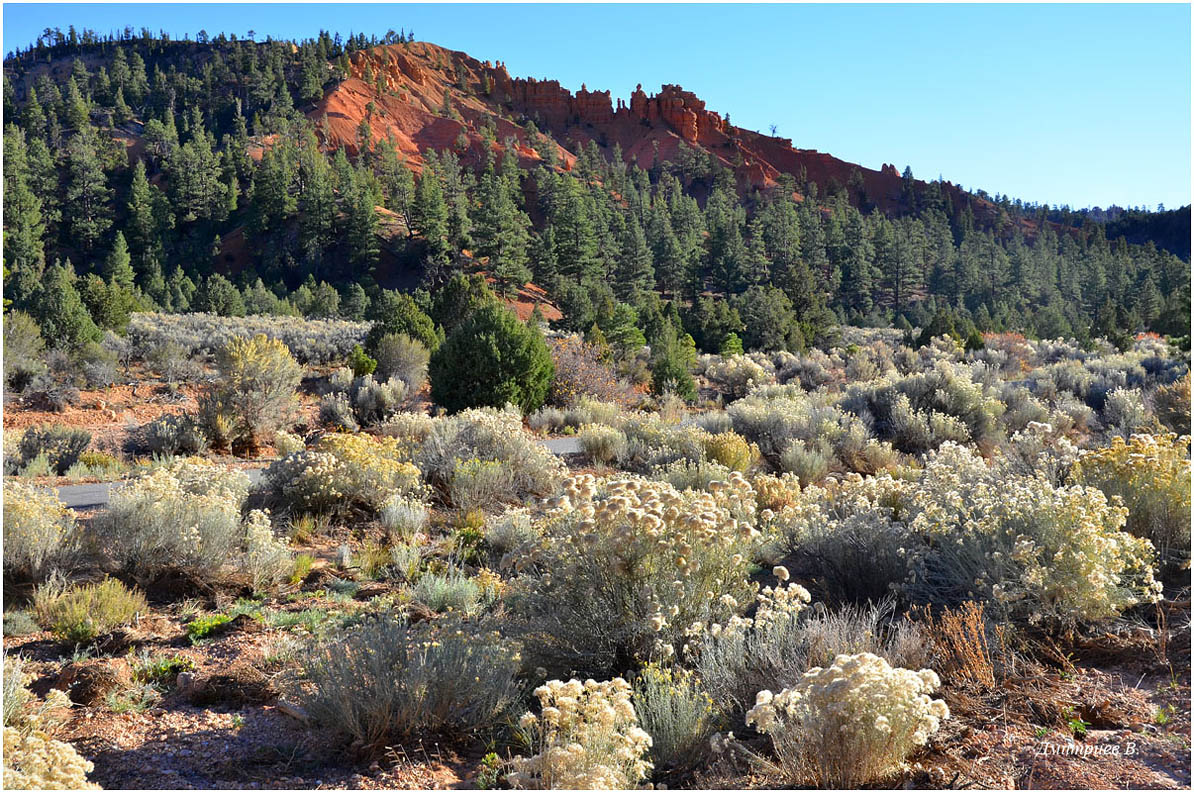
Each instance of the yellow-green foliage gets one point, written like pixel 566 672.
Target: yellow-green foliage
pixel 776 492
pixel 1151 474
pixel 344 471
pixel 81 613
pixel 255 395
pixel 38 529
pixel 731 450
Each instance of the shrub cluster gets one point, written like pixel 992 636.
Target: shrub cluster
pixel 342 472
pixel 459 448
pixel 1151 476
pixel 623 566
pixel 316 341
pixel 254 395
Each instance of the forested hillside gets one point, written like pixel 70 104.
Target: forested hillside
pixel 235 176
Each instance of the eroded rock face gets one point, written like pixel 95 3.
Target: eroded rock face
pixel 420 82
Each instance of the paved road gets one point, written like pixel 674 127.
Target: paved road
pixel 562 446
pixel 97 495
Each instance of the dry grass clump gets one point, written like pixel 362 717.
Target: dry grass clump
pixel 960 640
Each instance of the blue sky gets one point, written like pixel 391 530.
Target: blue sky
pixel 1064 104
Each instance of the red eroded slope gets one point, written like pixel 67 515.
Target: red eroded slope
pixel 407 85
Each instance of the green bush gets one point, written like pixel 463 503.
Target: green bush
pixel 489 361
pixel 61 445
pixel 360 362
pixel 395 312
pixel 81 613
pixel 23 348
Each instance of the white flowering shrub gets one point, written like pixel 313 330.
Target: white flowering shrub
pixel 1051 555
pixel 848 537
pixel 1125 413
pixel 737 375
pixel 586 737
pixel 489 435
pixel 39 532
pixel 288 443
pixel 267 558
pixel 343 472
pixel 624 565
pixel 33 760
pixel 850 723
pixel 384 681
pixel 183 515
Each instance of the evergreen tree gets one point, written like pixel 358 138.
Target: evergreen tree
pixel 87 193
pixel 501 233
pixel 24 251
pixel 59 311
pixel 118 267
pixel 635 272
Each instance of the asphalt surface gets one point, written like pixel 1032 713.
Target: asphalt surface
pixel 97 495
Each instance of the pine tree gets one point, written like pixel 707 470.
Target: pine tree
pixel 24 249
pixel 59 311
pixel 87 193
pixel 635 272
pixel 118 268
pixel 501 233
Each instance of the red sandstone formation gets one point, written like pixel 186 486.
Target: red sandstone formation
pixel 420 81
